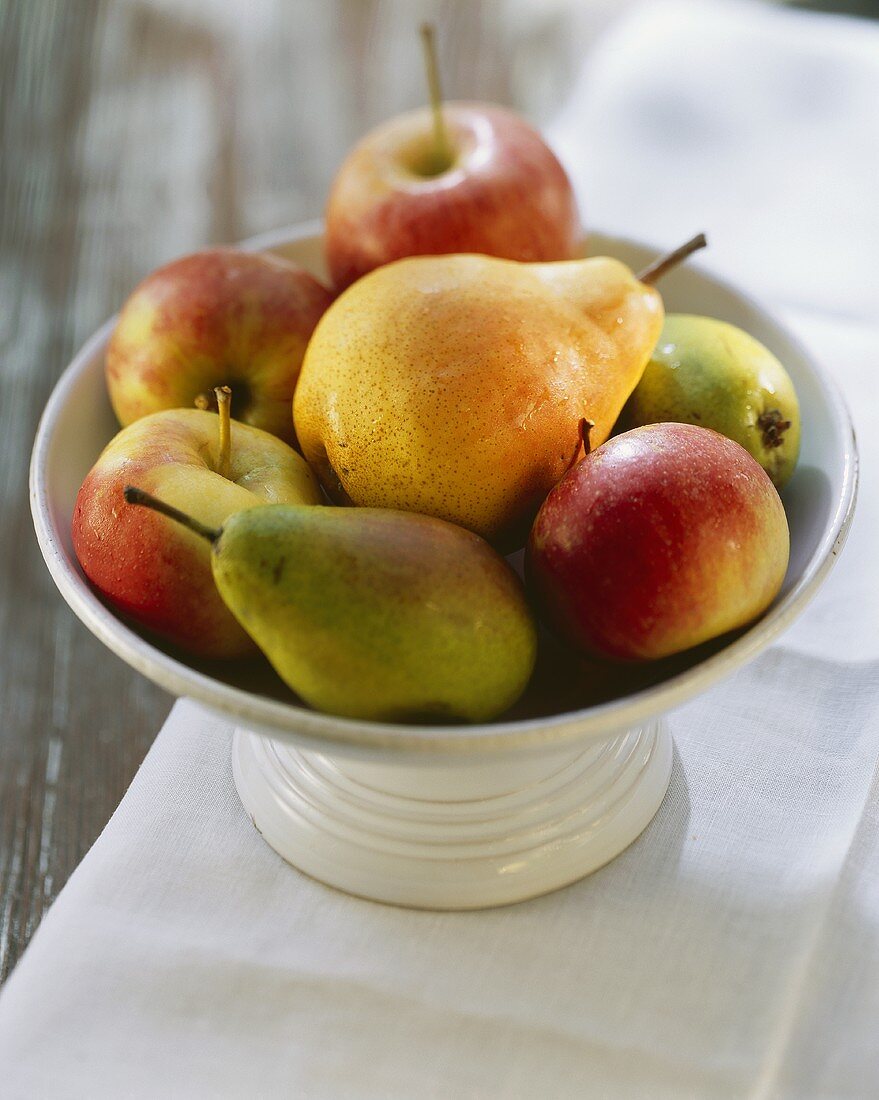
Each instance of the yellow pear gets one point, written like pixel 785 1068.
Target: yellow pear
pixel 455 385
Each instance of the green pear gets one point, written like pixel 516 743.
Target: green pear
pixel 375 614
pixel 712 374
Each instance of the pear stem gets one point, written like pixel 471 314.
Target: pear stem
pixel 665 263
pixel 442 152
pixel 140 496
pixel 224 405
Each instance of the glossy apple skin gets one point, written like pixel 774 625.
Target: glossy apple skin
pixel 505 195
pixel 663 538
pixel 154 570
pixel 218 317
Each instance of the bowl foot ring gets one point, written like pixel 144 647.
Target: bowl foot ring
pixel 470 834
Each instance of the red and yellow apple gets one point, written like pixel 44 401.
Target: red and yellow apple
pixel 218 317
pixel 502 192
pixel 149 567
pixel 663 538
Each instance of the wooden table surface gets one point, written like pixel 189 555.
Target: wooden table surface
pixel 133 131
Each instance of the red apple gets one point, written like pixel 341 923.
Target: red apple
pixel 662 538
pixel 218 317
pixel 503 193
pixel 149 567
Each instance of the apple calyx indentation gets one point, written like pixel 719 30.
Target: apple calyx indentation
pixel 241 400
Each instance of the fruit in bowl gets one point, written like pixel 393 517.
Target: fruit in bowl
pixel 708 372
pixel 474 787
pixel 455 177
pixel 455 385
pixel 466 385
pixel 149 568
pixel 221 317
pixel 452 386
pixel 664 538
pixel 373 614
pixel 501 192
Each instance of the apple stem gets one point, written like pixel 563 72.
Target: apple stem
pixel 134 495
pixel 442 153
pixel 584 427
pixel 665 263
pixel 202 402
pixel 224 406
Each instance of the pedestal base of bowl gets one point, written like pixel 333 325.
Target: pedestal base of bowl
pixel 470 834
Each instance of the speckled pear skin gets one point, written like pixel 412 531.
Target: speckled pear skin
pixel 379 615
pixel 454 385
pixel 712 374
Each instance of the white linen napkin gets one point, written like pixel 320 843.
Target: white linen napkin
pixel 734 949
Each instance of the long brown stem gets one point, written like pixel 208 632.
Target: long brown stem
pixel 224 406
pixel 134 495
pixel 442 151
pixel 665 263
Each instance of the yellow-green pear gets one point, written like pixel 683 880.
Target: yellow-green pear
pixel 375 614
pixel 712 374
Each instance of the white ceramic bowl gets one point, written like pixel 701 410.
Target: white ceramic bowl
pixel 391 759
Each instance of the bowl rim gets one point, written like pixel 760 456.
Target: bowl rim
pixel 317 730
